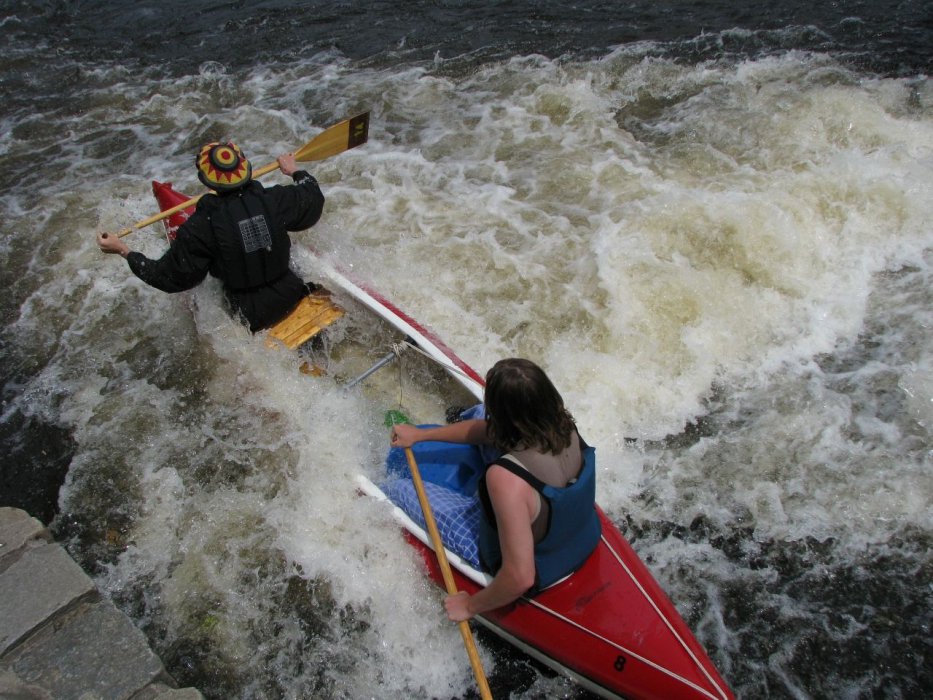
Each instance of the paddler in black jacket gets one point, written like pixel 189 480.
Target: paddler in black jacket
pixel 239 234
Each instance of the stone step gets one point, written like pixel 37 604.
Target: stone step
pixel 59 638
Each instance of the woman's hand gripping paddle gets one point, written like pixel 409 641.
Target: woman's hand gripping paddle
pixel 338 138
pixel 394 418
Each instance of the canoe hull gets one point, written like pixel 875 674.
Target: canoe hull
pixel 609 626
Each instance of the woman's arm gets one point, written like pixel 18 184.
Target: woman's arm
pixel 470 432
pixel 514 503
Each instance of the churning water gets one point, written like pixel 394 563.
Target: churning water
pixel 714 232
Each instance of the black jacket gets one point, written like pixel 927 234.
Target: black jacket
pixel 241 237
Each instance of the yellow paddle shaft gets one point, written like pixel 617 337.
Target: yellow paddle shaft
pixel 447 574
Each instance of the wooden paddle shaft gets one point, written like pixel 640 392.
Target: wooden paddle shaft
pixel 338 138
pixel 158 217
pixel 447 574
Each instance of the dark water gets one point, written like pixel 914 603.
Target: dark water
pixel 784 509
pixel 892 38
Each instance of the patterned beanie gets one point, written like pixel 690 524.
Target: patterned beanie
pixel 222 166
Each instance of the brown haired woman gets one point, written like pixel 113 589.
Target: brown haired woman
pixel 539 519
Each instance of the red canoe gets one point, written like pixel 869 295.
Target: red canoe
pixel 609 626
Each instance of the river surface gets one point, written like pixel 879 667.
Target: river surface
pixel 711 223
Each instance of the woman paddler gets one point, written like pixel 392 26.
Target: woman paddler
pixel 539 520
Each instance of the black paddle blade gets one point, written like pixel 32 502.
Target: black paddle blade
pixel 359 130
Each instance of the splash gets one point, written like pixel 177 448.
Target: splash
pixel 724 267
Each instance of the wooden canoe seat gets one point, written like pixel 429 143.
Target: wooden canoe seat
pixel 313 314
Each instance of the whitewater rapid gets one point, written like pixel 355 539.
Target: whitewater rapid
pixel 724 267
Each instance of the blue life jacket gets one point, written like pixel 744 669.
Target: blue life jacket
pixel 573 528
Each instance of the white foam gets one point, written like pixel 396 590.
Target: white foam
pixel 657 236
